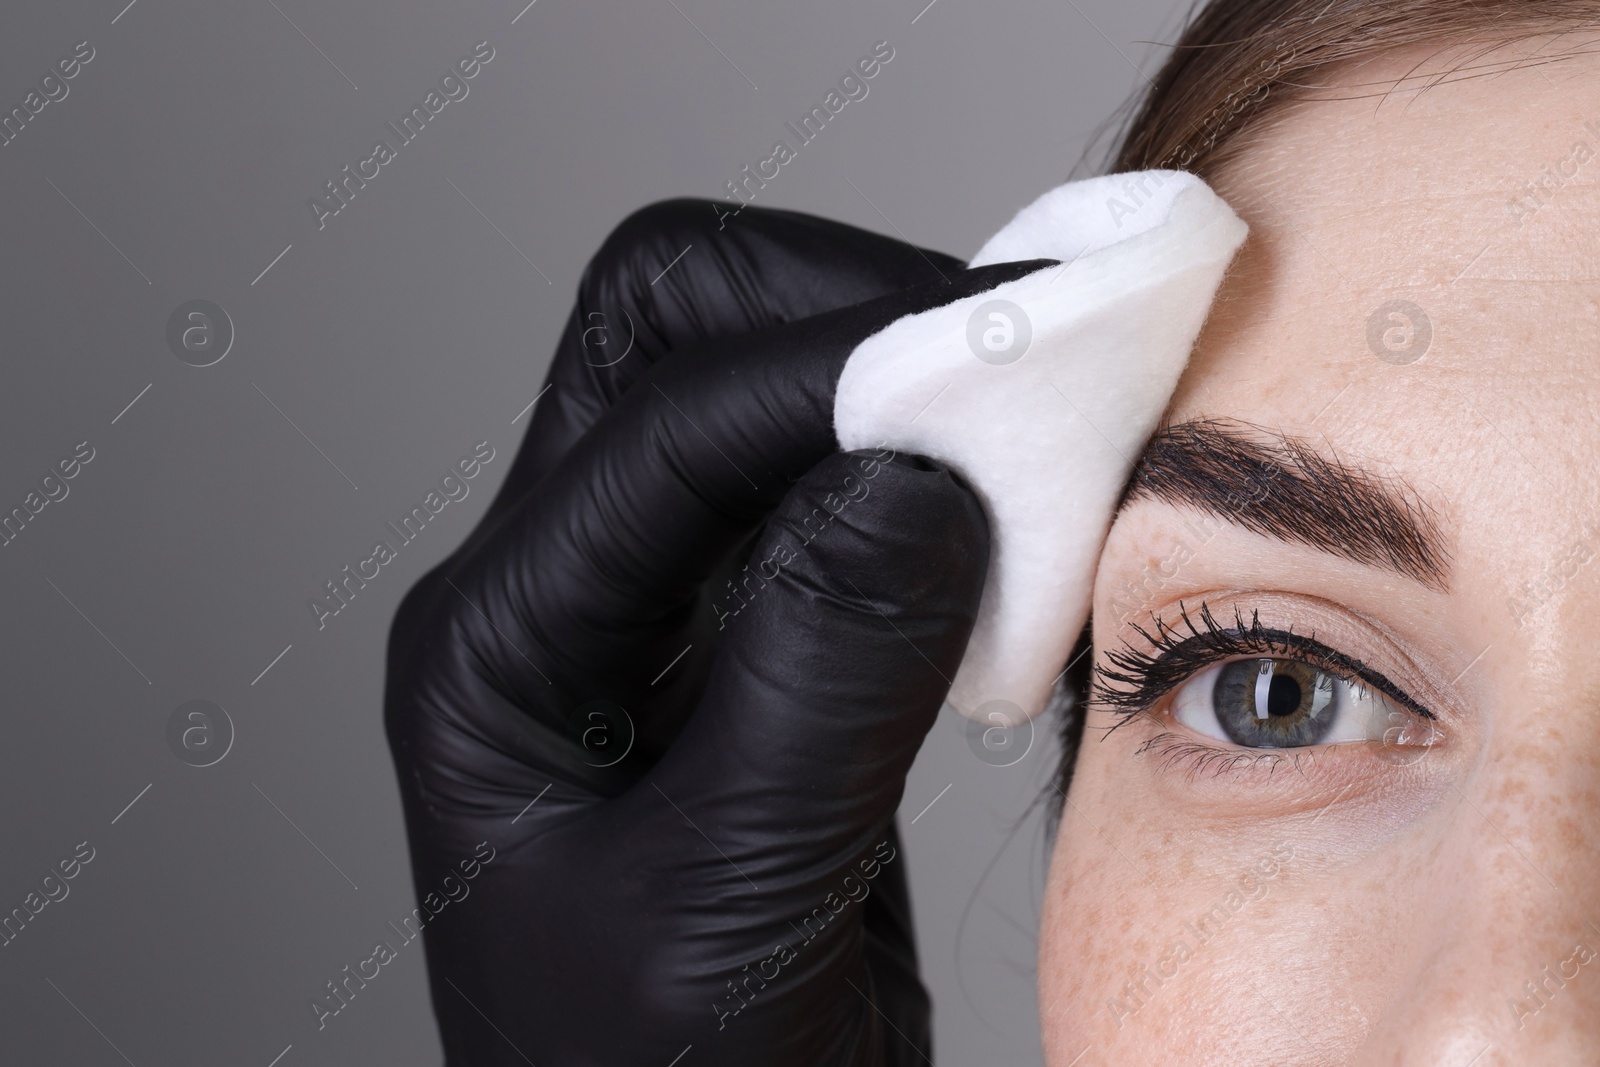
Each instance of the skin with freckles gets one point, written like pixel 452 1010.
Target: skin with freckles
pixel 1430 895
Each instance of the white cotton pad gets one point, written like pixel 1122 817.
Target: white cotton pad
pixel 1042 393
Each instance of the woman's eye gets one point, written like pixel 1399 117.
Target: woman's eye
pixel 1283 703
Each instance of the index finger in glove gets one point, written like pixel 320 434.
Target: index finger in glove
pixel 612 550
pixel 680 273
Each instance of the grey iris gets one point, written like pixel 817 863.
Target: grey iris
pixel 1276 703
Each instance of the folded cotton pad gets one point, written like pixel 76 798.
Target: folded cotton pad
pixel 1042 393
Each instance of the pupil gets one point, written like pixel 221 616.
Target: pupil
pixel 1283 696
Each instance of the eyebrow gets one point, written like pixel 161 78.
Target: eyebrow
pixel 1283 488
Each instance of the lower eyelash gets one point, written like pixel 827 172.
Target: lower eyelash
pixel 1195 758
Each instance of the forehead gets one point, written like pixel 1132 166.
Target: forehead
pixel 1420 291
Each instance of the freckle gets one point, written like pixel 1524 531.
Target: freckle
pixel 1570 835
pixel 1513 787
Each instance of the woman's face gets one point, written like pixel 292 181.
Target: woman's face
pixel 1364 831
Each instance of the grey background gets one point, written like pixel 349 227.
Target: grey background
pixel 181 562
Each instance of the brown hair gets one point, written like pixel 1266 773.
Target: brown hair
pixel 1240 64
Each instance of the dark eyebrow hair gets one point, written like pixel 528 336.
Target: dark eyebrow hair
pixel 1281 487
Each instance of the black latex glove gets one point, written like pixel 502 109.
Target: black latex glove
pixel 709 862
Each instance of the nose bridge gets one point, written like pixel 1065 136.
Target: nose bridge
pixel 1507 933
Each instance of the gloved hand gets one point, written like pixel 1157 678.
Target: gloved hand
pixel 684 753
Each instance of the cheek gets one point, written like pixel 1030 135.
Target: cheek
pixel 1102 923
pixel 1159 934
pixel 1138 973
pixel 1084 933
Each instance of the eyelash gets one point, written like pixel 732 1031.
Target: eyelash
pixel 1132 680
